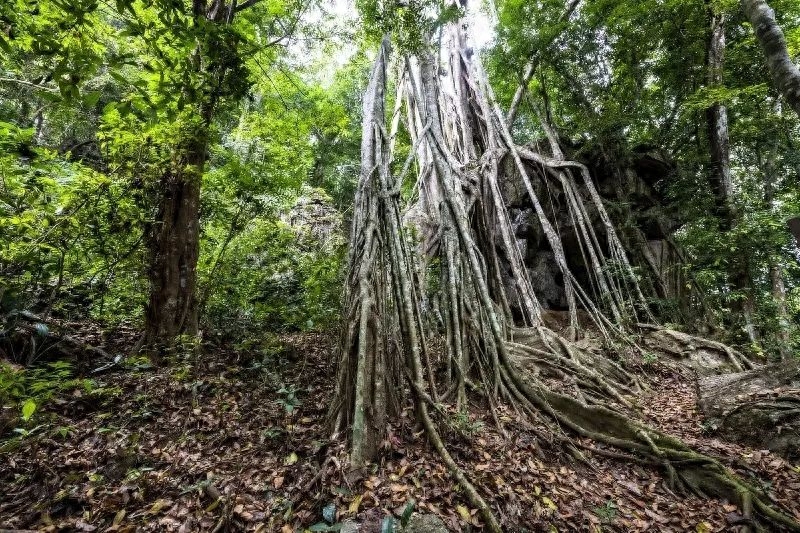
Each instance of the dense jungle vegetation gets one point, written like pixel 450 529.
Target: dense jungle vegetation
pixel 420 265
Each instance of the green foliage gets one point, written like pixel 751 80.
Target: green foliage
pixel 28 408
pixel 607 512
pixel 100 103
pixel 288 398
pixel 649 358
pixel 759 241
pixel 60 233
pixel 118 93
pixel 462 423
pixel 30 389
pixel 618 75
pixel 410 22
pixel 269 279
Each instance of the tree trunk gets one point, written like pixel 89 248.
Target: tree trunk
pixel 721 182
pixel 366 380
pixel 717 123
pixel 383 327
pixel 172 308
pixel 785 74
pixel 748 304
pixel 173 305
pixel 784 324
pixel 778 288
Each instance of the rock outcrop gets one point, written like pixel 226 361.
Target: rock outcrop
pixel 632 191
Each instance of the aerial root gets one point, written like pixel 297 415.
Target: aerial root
pixel 622 438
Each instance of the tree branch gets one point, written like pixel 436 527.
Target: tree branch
pixel 244 5
pixel 29 84
pixel 784 73
pixel 530 67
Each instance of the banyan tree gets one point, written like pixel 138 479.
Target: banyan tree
pixel 433 254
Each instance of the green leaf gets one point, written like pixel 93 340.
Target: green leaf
pixel 119 77
pixel 28 408
pixel 4 44
pixel 387 526
pixel 549 503
pixel 91 98
pixel 404 518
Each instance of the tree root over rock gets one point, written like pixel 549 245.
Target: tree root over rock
pixel 706 356
pixel 687 470
pixel 760 407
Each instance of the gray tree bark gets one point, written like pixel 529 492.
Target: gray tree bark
pixel 717 122
pixel 778 287
pixel 721 182
pixel 785 74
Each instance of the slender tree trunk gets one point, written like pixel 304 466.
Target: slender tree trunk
pixel 748 305
pixel 717 123
pixel 778 288
pixel 779 295
pixel 785 74
pixel 720 176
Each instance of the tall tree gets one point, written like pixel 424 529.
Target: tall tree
pixel 776 277
pixel 720 174
pixel 717 121
pixel 464 150
pixel 172 307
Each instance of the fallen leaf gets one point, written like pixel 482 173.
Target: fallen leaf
pixel 355 504
pixel 119 517
pixel 703 527
pixel 159 506
pixel 549 503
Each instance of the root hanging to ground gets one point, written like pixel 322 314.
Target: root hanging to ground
pixel 496 341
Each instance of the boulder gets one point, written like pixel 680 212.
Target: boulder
pixel 315 216
pixel 547 281
pixel 760 407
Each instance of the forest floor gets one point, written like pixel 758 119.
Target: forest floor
pixel 218 442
